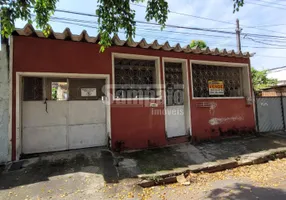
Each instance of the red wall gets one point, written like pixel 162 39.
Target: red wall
pixel 136 126
pixel 230 116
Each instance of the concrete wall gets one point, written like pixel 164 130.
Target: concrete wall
pixel 4 105
pixel 279 74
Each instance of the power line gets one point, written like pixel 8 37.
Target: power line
pixel 90 26
pixel 150 23
pixel 184 33
pixel 265 42
pixel 270 3
pixel 152 30
pixel 143 28
pixel 168 38
pixel 185 14
pixel 265 5
pixel 266 25
pixel 272 69
pixel 263 29
pixel 155 30
pixel 175 26
pixel 73 19
pixel 73 23
pixel 76 13
pixel 209 19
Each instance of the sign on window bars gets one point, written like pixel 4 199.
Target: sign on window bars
pixel 216 87
pixel 88 92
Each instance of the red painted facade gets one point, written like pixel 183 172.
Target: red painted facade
pixel 135 126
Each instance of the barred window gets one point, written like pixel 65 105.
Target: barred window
pixel 33 88
pixel 227 79
pixel 135 78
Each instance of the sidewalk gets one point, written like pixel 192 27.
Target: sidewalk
pixel 150 164
pixel 90 173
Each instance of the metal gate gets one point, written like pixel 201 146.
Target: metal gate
pixel 270 115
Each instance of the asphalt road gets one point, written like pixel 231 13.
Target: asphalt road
pixel 264 181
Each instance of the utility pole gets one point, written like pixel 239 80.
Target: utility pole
pixel 238 30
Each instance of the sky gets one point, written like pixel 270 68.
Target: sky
pixel 263 19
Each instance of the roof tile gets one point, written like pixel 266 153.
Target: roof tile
pixel 29 31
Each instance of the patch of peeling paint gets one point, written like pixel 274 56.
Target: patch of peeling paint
pixel 212 108
pixel 217 121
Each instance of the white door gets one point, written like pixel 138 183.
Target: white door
pixel 175 102
pixel 63 125
pixel 175 121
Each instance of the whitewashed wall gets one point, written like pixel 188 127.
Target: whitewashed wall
pixel 4 105
pixel 280 75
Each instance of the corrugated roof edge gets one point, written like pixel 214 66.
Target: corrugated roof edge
pixel 29 31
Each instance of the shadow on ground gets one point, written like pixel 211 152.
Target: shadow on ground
pixel 102 162
pixel 42 168
pixel 247 191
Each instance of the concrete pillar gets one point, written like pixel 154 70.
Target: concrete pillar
pixel 4 102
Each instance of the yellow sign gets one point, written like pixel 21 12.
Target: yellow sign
pixel 216 87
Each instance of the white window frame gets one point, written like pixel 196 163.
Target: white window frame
pixel 246 87
pixel 138 57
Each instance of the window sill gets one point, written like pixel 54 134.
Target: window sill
pixel 207 98
pixel 135 99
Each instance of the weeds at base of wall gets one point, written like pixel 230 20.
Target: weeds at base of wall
pixel 119 146
pixel 244 131
pixel 219 134
pixel 151 144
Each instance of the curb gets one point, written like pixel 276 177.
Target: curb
pixel 167 177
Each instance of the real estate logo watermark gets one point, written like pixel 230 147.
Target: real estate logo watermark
pixel 152 95
pixel 170 111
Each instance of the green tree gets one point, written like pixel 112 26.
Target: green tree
pixel 199 43
pixel 260 80
pixel 113 15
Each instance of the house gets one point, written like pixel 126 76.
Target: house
pixel 278 73
pixel 274 91
pixel 135 95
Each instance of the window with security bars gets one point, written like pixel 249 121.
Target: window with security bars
pixel 174 84
pixel 33 88
pixel 230 77
pixel 135 78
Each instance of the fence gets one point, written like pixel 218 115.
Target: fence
pixel 271 113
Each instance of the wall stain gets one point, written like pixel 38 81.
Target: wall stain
pixel 218 121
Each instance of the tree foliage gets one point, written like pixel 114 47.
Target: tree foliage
pixel 117 14
pixel 237 4
pixel 199 43
pixel 23 9
pixel 113 15
pixel 260 80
